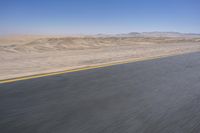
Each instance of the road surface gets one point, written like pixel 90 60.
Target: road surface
pixel 155 96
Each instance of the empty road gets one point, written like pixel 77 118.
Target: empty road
pixel 155 96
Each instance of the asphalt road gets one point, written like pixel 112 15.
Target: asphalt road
pixel 156 96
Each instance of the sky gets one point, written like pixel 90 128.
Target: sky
pixel 98 16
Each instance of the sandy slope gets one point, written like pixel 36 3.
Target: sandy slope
pixel 32 55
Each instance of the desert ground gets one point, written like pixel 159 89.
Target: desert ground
pixel 29 55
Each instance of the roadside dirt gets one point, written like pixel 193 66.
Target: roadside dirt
pixel 29 56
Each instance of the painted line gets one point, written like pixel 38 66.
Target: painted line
pixel 82 69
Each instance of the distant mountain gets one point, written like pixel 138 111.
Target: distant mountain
pixel 150 34
pixel 134 33
pixel 168 34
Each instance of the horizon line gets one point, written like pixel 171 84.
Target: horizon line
pixel 92 34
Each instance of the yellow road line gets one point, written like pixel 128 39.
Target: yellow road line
pixel 80 69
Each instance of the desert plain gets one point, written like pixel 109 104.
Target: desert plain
pixel 30 55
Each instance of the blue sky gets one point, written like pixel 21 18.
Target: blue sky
pixel 98 16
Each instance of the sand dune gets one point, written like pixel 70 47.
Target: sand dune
pixel 27 55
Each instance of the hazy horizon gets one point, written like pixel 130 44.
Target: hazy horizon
pixel 76 17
